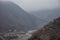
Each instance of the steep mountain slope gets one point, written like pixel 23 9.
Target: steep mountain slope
pixel 14 17
pixel 51 31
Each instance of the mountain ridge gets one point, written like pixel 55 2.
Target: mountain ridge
pixel 11 15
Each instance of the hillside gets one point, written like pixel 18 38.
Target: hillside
pixel 14 17
pixel 51 31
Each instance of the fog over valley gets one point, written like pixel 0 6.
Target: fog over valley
pixel 29 19
pixel 30 13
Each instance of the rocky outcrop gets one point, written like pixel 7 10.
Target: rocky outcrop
pixel 51 31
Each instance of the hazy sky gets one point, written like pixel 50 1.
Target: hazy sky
pixel 32 5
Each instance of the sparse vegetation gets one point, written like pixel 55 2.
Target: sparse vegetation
pixel 51 31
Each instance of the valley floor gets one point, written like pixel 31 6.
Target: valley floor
pixel 16 35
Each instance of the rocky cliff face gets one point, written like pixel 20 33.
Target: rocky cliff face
pixel 51 31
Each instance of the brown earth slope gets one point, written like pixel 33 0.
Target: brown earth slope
pixel 51 31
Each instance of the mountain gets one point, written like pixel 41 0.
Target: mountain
pixel 48 14
pixel 51 31
pixel 14 17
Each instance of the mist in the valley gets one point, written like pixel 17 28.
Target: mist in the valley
pixel 27 14
pixel 29 19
